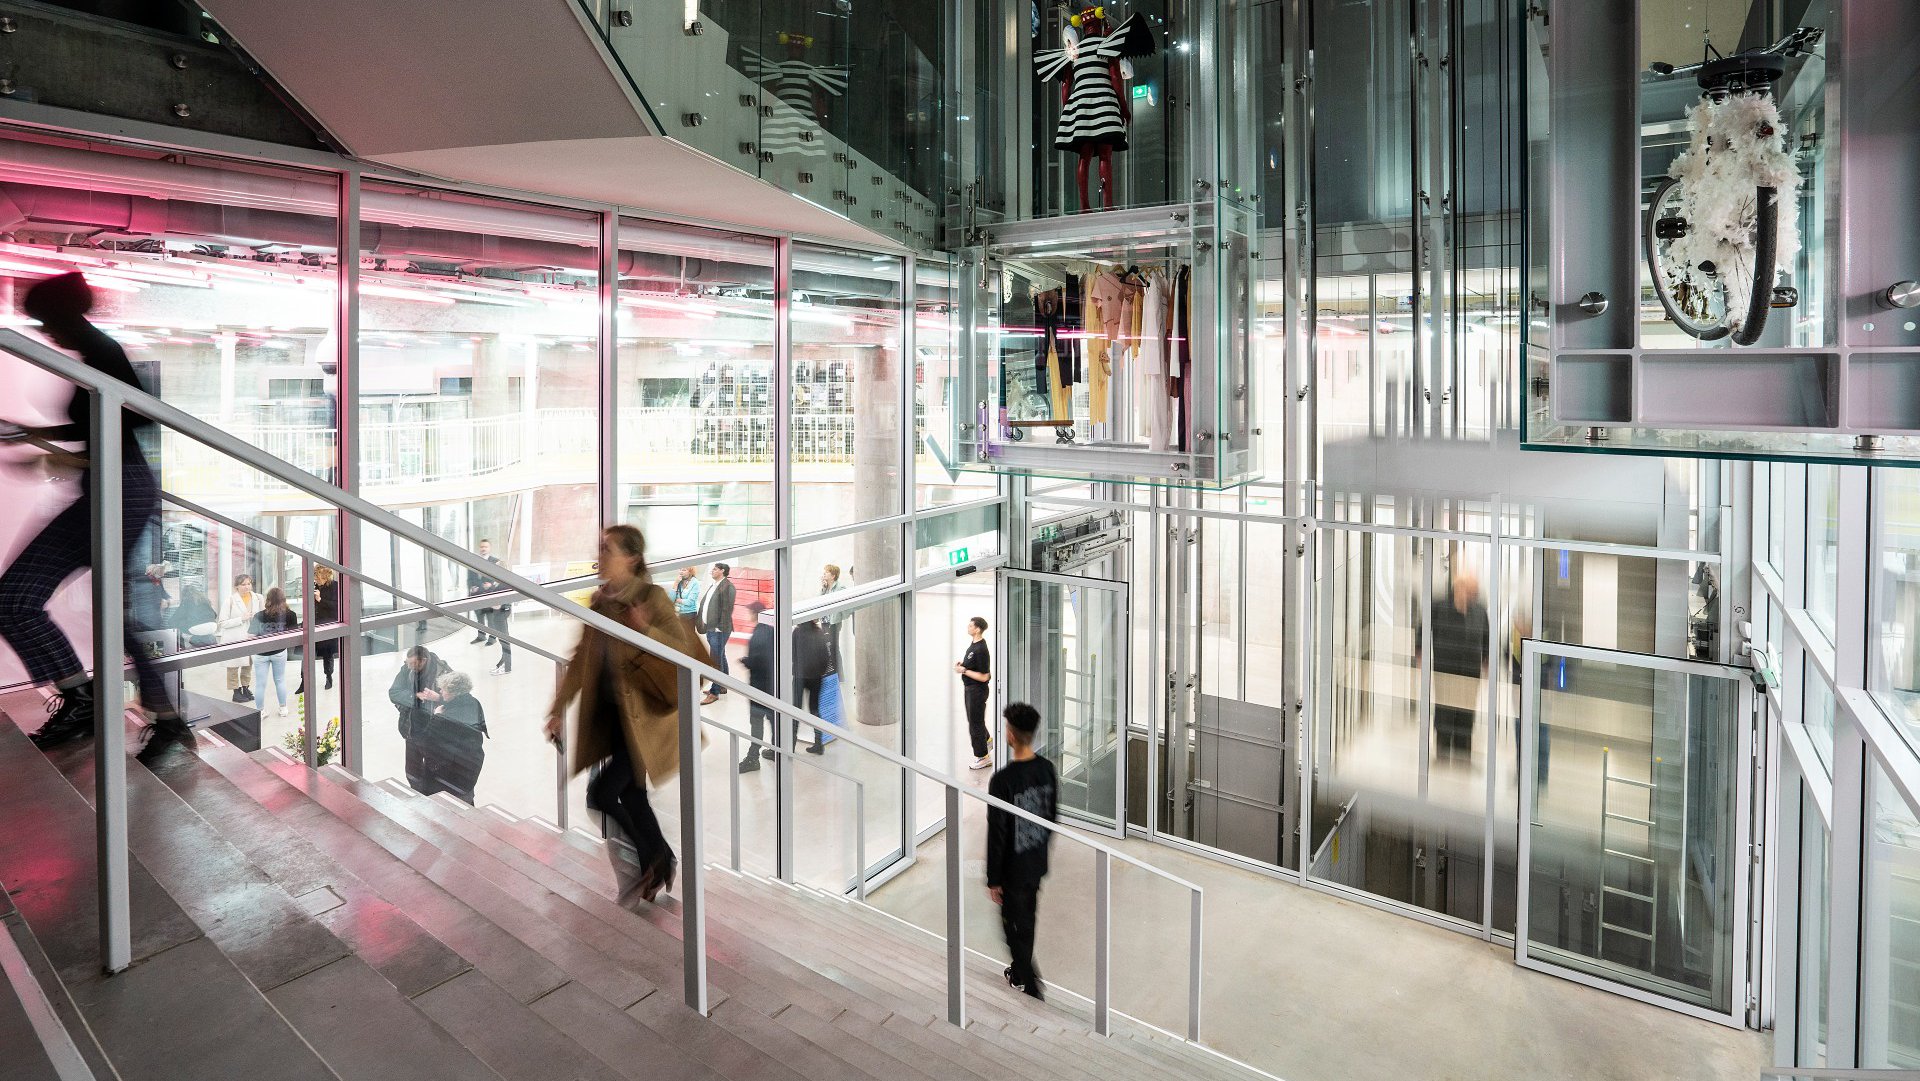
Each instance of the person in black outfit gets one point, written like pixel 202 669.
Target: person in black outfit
pixel 326 609
pixel 1458 629
pixel 715 621
pixel 493 619
pixel 760 661
pixel 975 669
pixel 812 660
pixel 456 738
pixel 65 545
pixel 1016 847
pixel 415 693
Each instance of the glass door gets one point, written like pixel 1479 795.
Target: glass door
pixel 1634 874
pixel 1066 642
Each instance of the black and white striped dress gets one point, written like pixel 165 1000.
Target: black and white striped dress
pixel 1091 116
pixel 793 82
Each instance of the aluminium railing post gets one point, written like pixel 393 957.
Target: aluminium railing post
pixel 109 674
pixel 733 795
pixel 693 909
pixel 956 943
pixel 1193 970
pixel 860 840
pixel 560 756
pixel 1102 941
pixel 308 711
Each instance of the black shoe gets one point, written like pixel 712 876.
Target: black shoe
pixel 816 747
pixel 769 753
pixel 329 685
pixel 165 735
pixel 750 763
pixel 69 717
pixel 489 641
pixel 300 690
pixel 239 694
pixel 246 694
pixel 477 640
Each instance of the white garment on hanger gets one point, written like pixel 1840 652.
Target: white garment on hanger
pixel 1155 409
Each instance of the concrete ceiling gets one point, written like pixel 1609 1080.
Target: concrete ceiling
pixel 513 93
pixel 648 173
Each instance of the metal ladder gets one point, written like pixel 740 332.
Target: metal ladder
pixel 1616 894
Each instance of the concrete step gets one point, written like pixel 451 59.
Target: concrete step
pixel 530 910
pixel 750 1006
pixel 486 1005
pixel 144 1025
pixel 732 946
pixel 361 1025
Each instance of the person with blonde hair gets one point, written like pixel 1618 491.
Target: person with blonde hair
pixel 236 621
pixel 326 609
pixel 629 716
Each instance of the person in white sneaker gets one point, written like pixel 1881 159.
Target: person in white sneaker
pixel 975 669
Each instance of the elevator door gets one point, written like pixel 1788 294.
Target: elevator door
pixel 1634 867
pixel 1067 657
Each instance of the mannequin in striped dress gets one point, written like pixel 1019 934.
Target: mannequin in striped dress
pixel 1094 113
pixel 803 87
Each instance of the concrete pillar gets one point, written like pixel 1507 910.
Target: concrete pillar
pixel 879 656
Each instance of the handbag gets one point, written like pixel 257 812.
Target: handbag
pixel 829 703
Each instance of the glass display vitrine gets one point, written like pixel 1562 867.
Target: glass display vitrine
pixel 1724 234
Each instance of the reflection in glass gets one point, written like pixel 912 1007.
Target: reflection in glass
pixel 479 324
pixel 1401 755
pixel 696 392
pixel 1890 926
pixel 1897 596
pixel 1632 867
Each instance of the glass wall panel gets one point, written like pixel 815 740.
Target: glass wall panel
pixel 1823 544
pixel 1897 596
pixel 1632 868
pixel 696 394
pixel 939 716
pixel 220 281
pixel 1401 754
pixel 849 669
pixel 1890 931
pixel 479 331
pixel 847 428
pixel 1813 879
pixel 936 384
pixel 850 561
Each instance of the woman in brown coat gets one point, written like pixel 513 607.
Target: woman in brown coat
pixel 629 705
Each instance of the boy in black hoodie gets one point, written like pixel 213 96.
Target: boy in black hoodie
pixel 1016 847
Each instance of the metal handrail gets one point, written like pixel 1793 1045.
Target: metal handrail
pixel 1822 1073
pixel 110 396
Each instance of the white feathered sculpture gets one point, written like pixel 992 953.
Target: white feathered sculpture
pixel 1738 145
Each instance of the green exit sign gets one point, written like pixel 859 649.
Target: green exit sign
pixel 956 557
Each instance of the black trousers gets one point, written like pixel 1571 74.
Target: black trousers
pixel 617 793
pixel 1452 731
pixel 977 718
pixel 1019 909
pixel 64 547
pixel 495 620
pixel 806 694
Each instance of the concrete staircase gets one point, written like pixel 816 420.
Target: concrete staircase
pixel 293 924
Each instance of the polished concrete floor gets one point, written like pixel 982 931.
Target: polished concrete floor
pixel 1313 987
